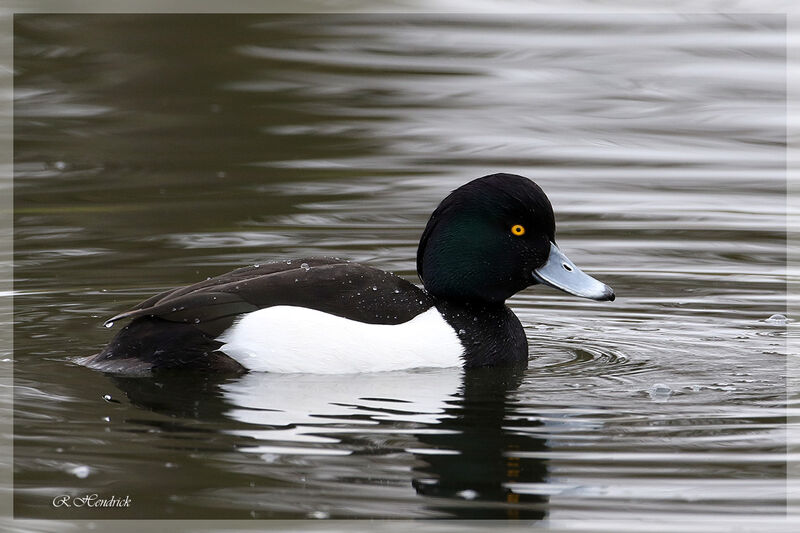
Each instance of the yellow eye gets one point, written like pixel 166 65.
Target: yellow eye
pixel 518 230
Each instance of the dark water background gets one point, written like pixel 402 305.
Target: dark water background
pixel 154 151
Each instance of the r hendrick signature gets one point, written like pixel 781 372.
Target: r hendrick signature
pixel 91 501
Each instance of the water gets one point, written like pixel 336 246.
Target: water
pixel 197 144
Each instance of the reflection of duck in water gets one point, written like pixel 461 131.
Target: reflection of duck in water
pixel 452 421
pixel 476 467
pixel 487 240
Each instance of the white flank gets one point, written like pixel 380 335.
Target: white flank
pixel 297 339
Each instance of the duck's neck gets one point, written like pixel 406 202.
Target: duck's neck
pixel 491 333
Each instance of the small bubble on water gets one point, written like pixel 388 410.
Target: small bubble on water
pixel 81 472
pixel 467 494
pixel 319 514
pixel 256 265
pixel 660 392
pixel 462 331
pixel 397 291
pixel 777 319
pixel 196 320
pixel 109 324
pixel 374 288
pixel 109 399
pixel 305 267
pixel 60 165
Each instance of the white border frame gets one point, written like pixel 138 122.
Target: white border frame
pixel 789 8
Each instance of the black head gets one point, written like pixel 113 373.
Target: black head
pixel 485 239
pixel 491 238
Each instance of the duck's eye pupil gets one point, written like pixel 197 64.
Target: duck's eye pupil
pixel 518 229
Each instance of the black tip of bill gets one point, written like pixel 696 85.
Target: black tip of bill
pixel 561 273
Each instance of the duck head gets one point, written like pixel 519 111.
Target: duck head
pixel 492 238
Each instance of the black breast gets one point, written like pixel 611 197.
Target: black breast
pixel 491 334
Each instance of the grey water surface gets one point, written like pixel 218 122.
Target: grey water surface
pixel 155 151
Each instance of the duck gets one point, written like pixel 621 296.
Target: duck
pixel 486 241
